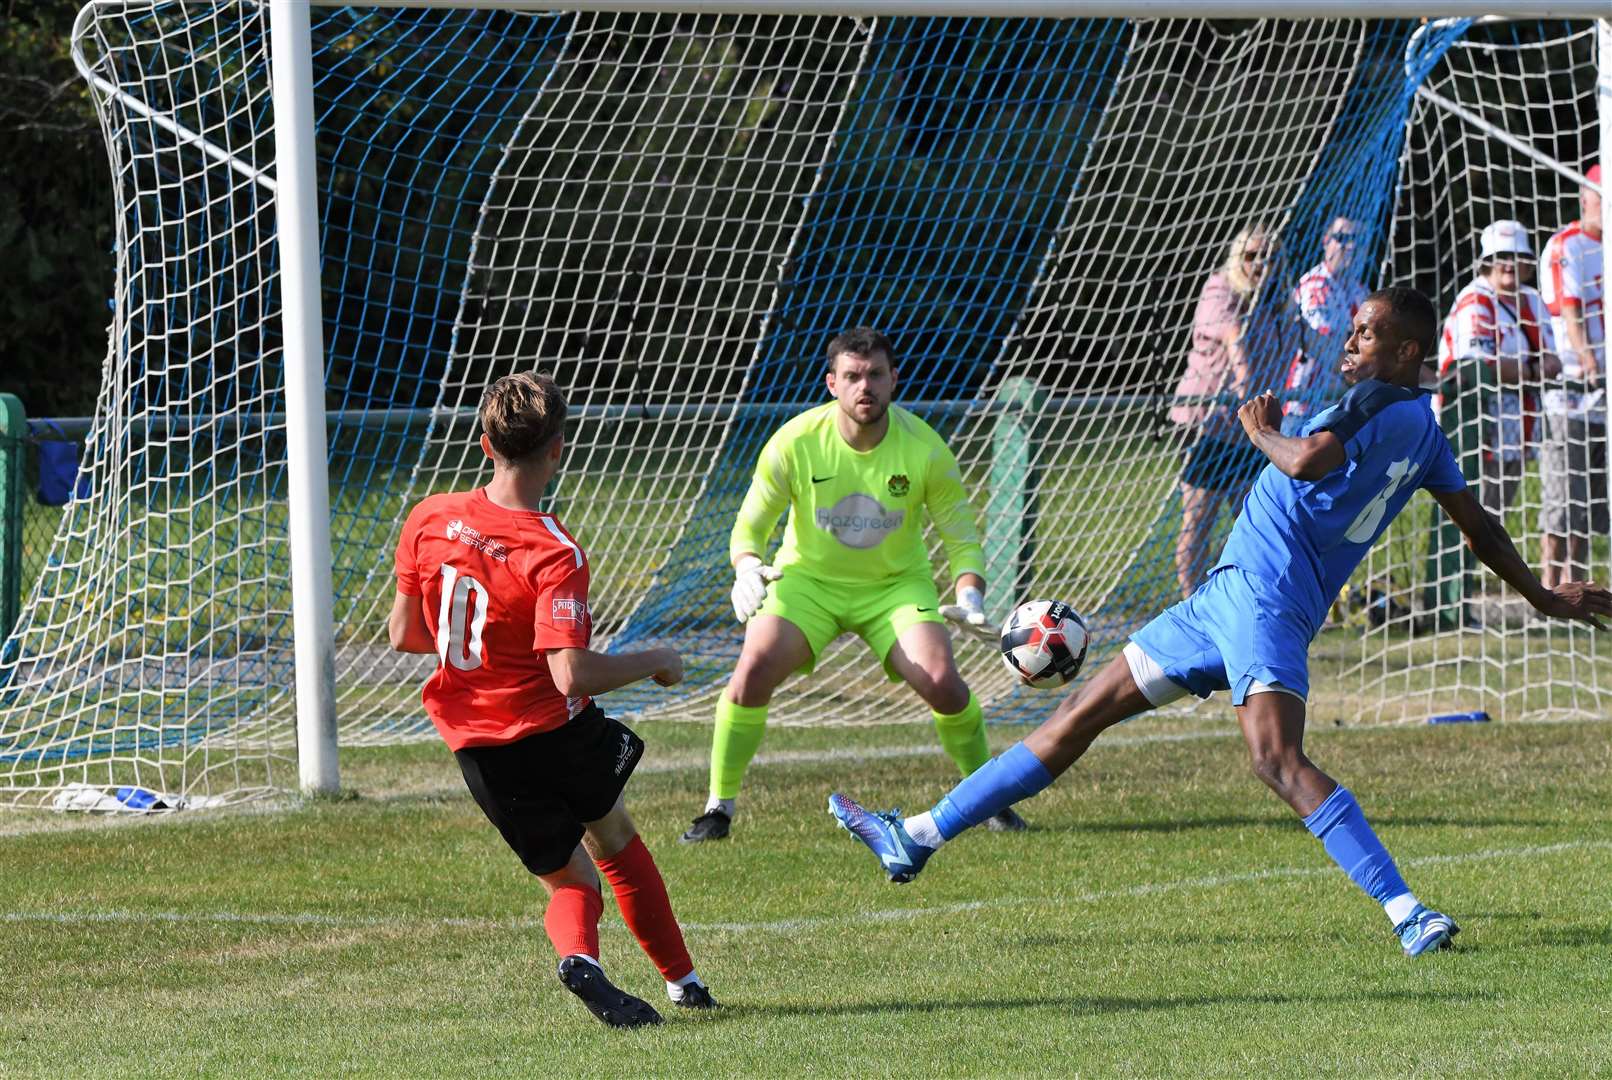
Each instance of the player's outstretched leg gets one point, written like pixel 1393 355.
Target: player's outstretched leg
pixel 904 845
pixel 1273 726
pixel 922 656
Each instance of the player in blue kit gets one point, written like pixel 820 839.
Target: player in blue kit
pixel 1315 510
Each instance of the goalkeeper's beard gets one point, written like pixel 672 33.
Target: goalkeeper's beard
pixel 876 411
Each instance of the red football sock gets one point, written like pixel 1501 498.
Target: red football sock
pixel 641 895
pixel 572 920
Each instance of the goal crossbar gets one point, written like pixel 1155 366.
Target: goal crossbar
pixel 1050 9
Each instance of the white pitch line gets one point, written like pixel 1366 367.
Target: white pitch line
pixel 1134 891
pixel 775 926
pixel 780 758
pixel 701 763
pixel 1228 730
pixel 882 753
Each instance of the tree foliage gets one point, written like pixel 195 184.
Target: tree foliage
pixel 405 155
pixel 56 225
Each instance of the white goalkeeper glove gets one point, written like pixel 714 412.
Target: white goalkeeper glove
pixel 969 614
pixel 750 586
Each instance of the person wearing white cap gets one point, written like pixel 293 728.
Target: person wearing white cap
pixel 1496 348
pixel 1573 461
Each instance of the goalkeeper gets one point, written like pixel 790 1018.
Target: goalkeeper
pixel 856 475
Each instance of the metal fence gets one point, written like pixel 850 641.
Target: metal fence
pixel 28 514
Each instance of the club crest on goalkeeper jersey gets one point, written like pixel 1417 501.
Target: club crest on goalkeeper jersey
pixel 857 516
pixel 497 587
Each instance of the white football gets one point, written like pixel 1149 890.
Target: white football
pixel 1044 643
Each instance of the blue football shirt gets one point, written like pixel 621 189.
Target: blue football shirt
pixel 1307 536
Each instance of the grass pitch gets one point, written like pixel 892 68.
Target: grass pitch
pixel 1166 916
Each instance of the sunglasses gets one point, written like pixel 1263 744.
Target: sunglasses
pixel 1341 237
pixel 1253 256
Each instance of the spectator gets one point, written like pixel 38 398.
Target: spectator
pixel 1573 467
pixel 1495 349
pixel 1219 462
pixel 1328 296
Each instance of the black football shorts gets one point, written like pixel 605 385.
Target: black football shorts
pixel 539 790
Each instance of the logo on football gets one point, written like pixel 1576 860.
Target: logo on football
pixel 1044 643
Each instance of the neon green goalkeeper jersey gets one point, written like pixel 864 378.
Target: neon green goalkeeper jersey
pixel 856 516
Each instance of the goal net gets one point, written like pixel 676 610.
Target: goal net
pixel 1503 108
pixel 673 213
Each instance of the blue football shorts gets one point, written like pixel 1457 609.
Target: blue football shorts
pixel 1235 633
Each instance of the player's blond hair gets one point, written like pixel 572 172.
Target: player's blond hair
pixel 1233 267
pixel 521 414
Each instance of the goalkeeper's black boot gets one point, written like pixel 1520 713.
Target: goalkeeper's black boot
pixel 1006 821
pixel 614 1007
pixel 711 825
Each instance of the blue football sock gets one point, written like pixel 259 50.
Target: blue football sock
pixel 1014 774
pixel 1342 830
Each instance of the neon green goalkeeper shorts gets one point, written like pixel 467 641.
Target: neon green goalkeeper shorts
pixel 878 614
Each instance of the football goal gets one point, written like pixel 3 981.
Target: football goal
pixel 335 226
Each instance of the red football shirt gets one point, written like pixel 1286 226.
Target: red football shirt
pixel 497 587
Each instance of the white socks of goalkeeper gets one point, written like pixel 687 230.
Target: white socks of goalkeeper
pixel 727 806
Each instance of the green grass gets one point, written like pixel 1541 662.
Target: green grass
pixel 1166 916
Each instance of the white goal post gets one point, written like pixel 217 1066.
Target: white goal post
pixel 337 222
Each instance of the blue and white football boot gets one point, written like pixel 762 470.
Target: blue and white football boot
pixel 1425 930
pixel 900 855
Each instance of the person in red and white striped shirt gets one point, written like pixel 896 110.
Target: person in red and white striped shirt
pixel 1573 465
pixel 1328 297
pixel 1496 348
pixel 1495 351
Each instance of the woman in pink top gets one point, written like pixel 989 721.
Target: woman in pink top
pixel 1219 462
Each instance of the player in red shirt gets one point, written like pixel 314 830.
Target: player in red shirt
pixel 499 591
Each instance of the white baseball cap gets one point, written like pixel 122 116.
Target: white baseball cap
pixel 1505 238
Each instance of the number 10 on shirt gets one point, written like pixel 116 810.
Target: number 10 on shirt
pixel 460 592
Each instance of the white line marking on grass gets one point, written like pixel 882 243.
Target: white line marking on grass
pixel 1148 889
pixel 883 753
pixel 775 926
pixel 61 823
pixel 700 764
pixel 1228 730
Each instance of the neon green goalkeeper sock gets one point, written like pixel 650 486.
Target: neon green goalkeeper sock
pixel 733 744
pixel 962 735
